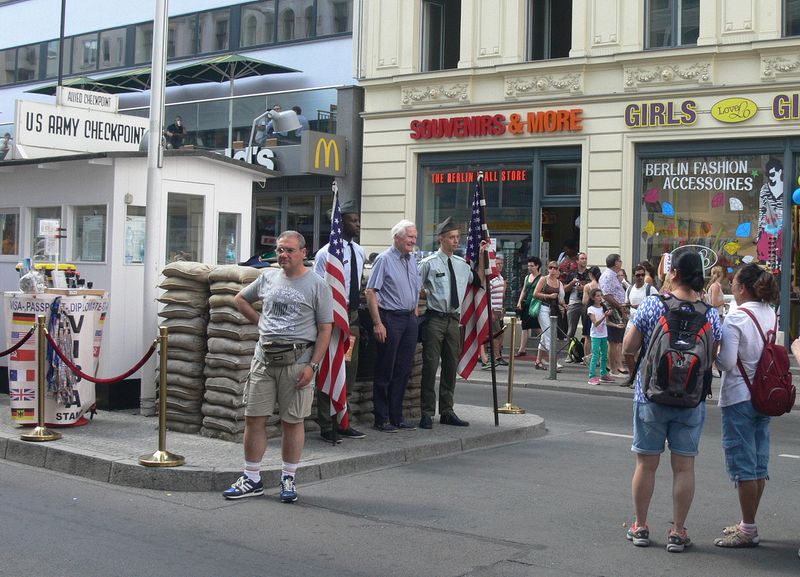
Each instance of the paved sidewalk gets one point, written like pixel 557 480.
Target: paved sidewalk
pixel 108 448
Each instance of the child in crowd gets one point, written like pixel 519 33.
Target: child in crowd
pixel 599 333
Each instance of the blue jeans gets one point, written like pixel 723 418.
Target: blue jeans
pixel 745 439
pixel 653 424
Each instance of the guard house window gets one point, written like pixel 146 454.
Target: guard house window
pixel 9 231
pixel 441 34
pixel 227 238
pixel 671 23
pixel 43 246
pixel 89 237
pixel 791 17
pixel 258 23
pixel 550 29
pixel 185 227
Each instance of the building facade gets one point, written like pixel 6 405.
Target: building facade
pixel 641 127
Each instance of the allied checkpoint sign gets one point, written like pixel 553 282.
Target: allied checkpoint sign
pixel 44 130
pixel 86 316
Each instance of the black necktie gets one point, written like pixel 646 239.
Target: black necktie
pixel 453 288
pixel 355 285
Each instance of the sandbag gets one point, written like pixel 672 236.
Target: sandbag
pixel 180 427
pixel 184 368
pixel 226 287
pixel 195 271
pixel 189 298
pixel 225 385
pixel 236 362
pixel 193 326
pixel 230 400
pixel 209 410
pixel 186 341
pixel 243 275
pixel 231 347
pixel 183 284
pixel 233 331
pixel 228 315
pixel 177 311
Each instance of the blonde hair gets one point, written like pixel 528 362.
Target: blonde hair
pixel 717 274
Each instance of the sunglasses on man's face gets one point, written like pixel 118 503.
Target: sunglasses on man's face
pixel 639 274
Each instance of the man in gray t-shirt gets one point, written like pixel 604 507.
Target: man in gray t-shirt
pixel 296 317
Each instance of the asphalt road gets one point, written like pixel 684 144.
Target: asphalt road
pixel 551 506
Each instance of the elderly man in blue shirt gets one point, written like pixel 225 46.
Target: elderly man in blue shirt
pixel 445 277
pixel 392 297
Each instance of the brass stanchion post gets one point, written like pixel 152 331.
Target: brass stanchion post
pixel 40 432
pixel 162 457
pixel 509 408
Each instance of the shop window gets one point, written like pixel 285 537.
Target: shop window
pixel 300 217
pixel 441 34
pixel 182 37
pixel 28 63
pixel 9 231
pixel 45 221
pixel 185 213
pixel 791 17
pixel 112 48
pixel 258 23
pixel 728 208
pixel 550 25
pixel 670 23
pixel 214 30
pixel 227 238
pixel 84 53
pixel 135 233
pixel 267 224
pixel 334 16
pixel 88 233
pixel 561 179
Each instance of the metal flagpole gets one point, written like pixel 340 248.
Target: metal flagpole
pixel 484 262
pixel 154 196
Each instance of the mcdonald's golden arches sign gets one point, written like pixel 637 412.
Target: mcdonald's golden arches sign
pixel 324 153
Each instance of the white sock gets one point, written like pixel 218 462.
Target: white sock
pixel 748 528
pixel 252 469
pixel 289 469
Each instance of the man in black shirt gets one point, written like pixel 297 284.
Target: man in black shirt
pixel 175 133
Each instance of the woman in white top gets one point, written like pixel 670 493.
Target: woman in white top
pixel 745 432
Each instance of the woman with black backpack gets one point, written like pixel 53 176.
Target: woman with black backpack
pixel 745 431
pixel 660 413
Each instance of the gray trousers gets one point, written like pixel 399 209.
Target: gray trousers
pixel 441 340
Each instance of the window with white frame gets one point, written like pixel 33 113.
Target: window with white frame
pixel 791 17
pixel 88 233
pixel 441 34
pixel 550 29
pixel 9 231
pixel 185 213
pixel 45 220
pixel 227 238
pixel 670 23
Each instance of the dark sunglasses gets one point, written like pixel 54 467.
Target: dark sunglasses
pixel 641 274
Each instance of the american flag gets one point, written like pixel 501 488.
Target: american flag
pixel 331 379
pixel 475 309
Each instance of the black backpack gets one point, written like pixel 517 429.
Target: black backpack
pixel 677 364
pixel 575 350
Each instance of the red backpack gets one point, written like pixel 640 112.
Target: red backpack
pixel 771 392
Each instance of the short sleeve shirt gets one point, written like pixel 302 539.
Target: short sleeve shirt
pixel 611 285
pixel 396 279
pixel 647 315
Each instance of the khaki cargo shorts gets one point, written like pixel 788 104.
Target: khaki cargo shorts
pixel 266 383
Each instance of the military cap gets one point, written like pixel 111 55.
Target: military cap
pixel 446 226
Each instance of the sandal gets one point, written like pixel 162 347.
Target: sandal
pixel 539 365
pixel 521 354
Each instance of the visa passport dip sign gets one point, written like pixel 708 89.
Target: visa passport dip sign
pixel 60 128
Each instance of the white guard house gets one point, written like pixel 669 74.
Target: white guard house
pixel 99 198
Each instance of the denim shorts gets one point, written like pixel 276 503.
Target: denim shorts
pixel 653 424
pixel 745 439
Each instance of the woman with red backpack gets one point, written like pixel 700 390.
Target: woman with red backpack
pixel 745 431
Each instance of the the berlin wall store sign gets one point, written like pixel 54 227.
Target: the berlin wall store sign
pixel 542 121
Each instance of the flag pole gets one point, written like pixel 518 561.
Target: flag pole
pixel 488 296
pixel 335 419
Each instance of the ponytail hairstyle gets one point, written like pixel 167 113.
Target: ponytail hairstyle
pixel 595 273
pixel 761 284
pixel 690 270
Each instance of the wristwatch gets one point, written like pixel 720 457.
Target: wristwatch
pixel 314 367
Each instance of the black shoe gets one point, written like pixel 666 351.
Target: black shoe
pixel 386 428
pixel 351 433
pixel 501 361
pixel 425 422
pixel 327 436
pixel 405 426
pixel 452 419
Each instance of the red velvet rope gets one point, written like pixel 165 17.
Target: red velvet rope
pixel 18 345
pixel 97 380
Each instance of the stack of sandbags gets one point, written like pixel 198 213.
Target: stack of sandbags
pixel 185 314
pixel 231 342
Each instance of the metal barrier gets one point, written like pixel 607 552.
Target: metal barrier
pixel 40 433
pixel 509 408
